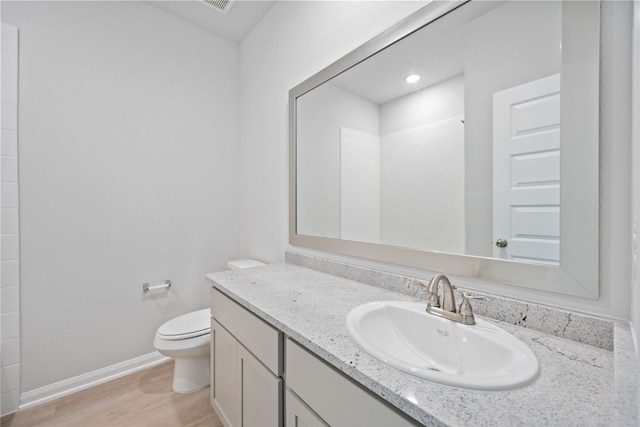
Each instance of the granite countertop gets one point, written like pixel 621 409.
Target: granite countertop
pixel 575 385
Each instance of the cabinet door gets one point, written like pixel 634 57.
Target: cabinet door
pixel 224 390
pixel 334 397
pixel 261 339
pixel 261 392
pixel 299 415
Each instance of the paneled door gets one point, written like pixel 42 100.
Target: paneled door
pixel 526 172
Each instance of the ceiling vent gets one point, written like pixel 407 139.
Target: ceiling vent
pixel 219 5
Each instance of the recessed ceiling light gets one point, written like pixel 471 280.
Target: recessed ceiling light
pixel 412 78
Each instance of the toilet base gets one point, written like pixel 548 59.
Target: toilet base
pixel 191 374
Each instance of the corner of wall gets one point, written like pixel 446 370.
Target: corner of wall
pixel 9 235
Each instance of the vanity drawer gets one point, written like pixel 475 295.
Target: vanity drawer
pixel 334 397
pixel 264 341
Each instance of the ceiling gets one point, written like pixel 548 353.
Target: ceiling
pixel 234 25
pixel 435 52
pixel 381 78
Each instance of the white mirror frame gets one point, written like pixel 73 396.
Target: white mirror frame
pixel 579 191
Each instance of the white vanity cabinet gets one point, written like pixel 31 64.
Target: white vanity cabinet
pixel 246 358
pixel 318 395
pixel 249 359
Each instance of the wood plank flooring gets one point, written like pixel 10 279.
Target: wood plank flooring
pixel 141 399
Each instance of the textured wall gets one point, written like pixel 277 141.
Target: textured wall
pixel 422 187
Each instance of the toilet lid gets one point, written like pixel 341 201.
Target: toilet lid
pixel 186 326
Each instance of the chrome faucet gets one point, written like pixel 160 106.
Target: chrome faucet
pixel 448 309
pixel 448 299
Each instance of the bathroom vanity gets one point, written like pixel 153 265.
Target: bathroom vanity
pixel 281 354
pixel 247 384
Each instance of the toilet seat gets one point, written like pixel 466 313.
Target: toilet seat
pixel 190 325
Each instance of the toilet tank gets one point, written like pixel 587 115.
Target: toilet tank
pixel 240 264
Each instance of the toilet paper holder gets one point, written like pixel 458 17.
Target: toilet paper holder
pixel 146 288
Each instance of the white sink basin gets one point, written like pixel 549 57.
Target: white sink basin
pixel 481 356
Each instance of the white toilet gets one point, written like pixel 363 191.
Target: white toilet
pixel 187 338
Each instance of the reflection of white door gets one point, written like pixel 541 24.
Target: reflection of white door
pixel 526 172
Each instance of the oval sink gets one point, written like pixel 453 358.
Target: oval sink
pixel 403 335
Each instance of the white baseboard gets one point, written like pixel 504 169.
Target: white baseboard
pixel 90 379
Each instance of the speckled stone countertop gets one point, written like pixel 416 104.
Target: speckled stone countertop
pixel 575 385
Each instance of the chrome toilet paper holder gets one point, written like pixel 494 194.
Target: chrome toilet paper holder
pixel 146 288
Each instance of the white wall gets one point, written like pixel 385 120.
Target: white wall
pixel 431 104
pixel 615 160
pixel 129 173
pixel 297 39
pixel 359 186
pixel 321 114
pixel 293 41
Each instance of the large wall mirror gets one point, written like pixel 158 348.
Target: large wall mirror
pixel 462 140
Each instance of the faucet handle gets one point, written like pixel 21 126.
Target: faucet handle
pixel 434 300
pixel 468 296
pixel 466 311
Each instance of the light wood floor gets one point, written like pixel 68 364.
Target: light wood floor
pixel 142 399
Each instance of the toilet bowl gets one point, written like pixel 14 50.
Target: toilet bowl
pixel 187 339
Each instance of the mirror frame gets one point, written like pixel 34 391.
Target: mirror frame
pixel 579 190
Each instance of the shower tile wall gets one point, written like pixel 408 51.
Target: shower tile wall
pixel 414 212
pixel 9 235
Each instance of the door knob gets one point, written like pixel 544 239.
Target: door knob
pixel 501 243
